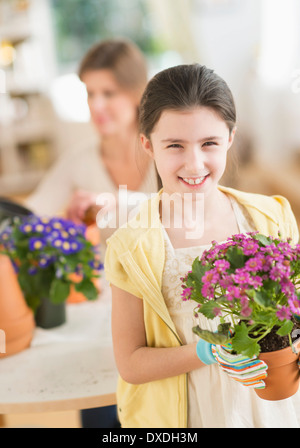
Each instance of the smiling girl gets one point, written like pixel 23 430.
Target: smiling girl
pixel 168 378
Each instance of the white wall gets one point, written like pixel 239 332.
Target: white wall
pixel 254 46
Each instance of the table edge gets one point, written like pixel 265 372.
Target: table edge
pixel 59 405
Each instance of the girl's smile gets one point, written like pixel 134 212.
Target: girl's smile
pixel 194 182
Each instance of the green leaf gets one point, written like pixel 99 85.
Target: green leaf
pixel 59 291
pixel 235 256
pixel 262 298
pixel 207 309
pixel 198 269
pixel 285 328
pixel 87 288
pixel 242 343
pixel 224 328
pixel 264 317
pixel 209 336
pixel 264 240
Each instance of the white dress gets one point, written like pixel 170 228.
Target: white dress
pixel 214 399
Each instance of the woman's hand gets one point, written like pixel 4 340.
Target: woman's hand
pixel 80 202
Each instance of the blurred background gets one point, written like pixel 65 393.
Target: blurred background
pixel 253 44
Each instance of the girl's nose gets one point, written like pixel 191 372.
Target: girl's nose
pixel 195 160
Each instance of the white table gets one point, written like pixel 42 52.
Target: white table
pixel 66 368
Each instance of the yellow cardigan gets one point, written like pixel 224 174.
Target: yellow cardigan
pixel 134 262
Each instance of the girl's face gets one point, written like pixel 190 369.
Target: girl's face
pixel 112 109
pixel 190 149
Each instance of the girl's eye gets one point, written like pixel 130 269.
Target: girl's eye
pixel 209 144
pixel 175 145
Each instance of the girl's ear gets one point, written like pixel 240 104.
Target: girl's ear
pixel 231 137
pixel 147 145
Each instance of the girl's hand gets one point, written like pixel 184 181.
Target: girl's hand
pixel 250 372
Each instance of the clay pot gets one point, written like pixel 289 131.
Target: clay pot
pixel 78 297
pixel 16 318
pixel 93 235
pixel 283 374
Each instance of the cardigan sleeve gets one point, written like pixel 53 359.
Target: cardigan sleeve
pixel 115 272
pixel 288 221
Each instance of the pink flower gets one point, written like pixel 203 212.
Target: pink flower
pixel 288 288
pixel 217 311
pixel 245 310
pixel 222 265
pixel 242 277
pixel 283 313
pixel 253 264
pixel 186 294
pixel 294 304
pixel 233 292
pixel 256 281
pixel 210 276
pixel 279 271
pixel 208 291
pixel 250 247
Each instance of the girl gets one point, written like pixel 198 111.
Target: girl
pixel 187 125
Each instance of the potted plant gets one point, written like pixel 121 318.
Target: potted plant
pixel 251 282
pixel 45 253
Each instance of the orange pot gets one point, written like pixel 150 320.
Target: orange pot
pixel 93 235
pixel 283 374
pixel 77 297
pixel 16 318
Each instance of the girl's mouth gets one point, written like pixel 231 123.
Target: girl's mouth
pixel 194 182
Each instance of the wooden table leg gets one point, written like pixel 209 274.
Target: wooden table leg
pixel 2 421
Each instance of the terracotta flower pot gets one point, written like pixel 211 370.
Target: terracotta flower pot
pixel 78 297
pixel 16 318
pixel 93 235
pixel 283 374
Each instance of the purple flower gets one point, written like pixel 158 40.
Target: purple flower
pixel 45 261
pixel 36 243
pixel 32 270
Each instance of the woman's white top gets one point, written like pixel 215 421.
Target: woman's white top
pixel 79 170
pixel 214 399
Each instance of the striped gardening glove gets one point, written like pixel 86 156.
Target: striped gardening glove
pixel 248 371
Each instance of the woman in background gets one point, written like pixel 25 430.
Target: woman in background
pixel 115 74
